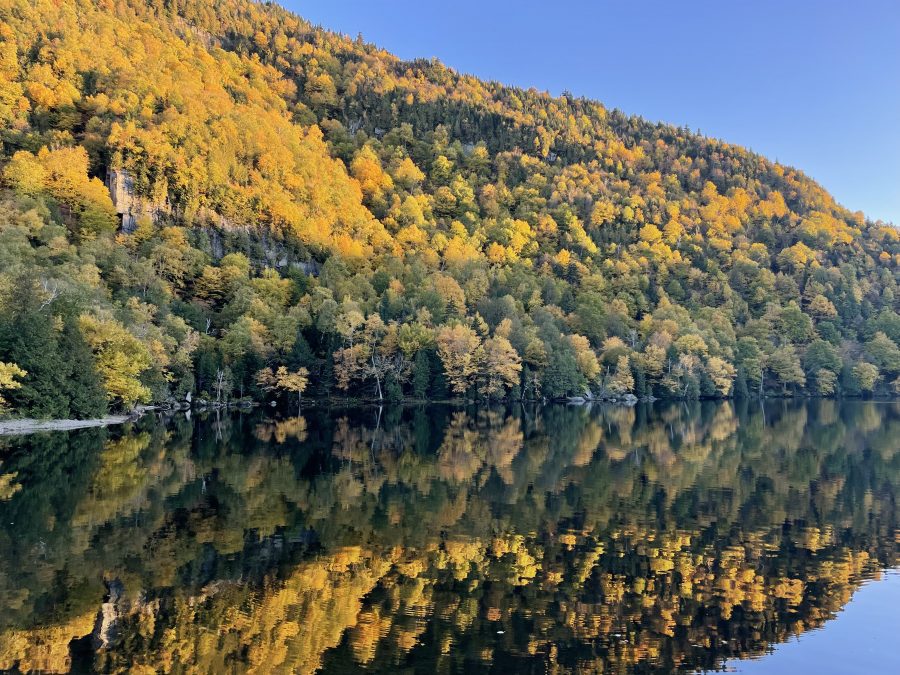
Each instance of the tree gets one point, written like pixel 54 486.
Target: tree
pixel 245 336
pixel 822 308
pixel 296 382
pixel 9 374
pixel 30 339
pixel 691 344
pixel 367 169
pixel 784 364
pixel 590 314
pixel 500 366
pixel 796 257
pixel 84 387
pixel 826 381
pixel 653 360
pixel 284 380
pixel 794 325
pixel 722 373
pixel 740 391
pixel 223 383
pixel 750 360
pixel 121 359
pixel 622 381
pixel 585 357
pixel 460 350
pixel 63 175
pixel 820 354
pixel 349 365
pixel 561 376
pixel 866 376
pixel 421 374
pixel 373 353
pixel 407 174
pixel 885 354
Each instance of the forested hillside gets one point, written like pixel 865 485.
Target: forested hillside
pixel 215 197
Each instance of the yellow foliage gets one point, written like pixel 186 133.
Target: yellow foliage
pixel 459 348
pixel 10 373
pixel 121 359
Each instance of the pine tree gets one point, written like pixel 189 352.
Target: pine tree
pixel 421 374
pixel 30 339
pixel 87 397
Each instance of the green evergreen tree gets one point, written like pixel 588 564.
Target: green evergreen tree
pixel 30 339
pixel 421 374
pixel 87 397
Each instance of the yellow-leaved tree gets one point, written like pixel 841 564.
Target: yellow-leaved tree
pixel 285 380
pixel 500 367
pixel 121 359
pixel 9 375
pixel 63 175
pixel 622 382
pixel 721 373
pixel 460 350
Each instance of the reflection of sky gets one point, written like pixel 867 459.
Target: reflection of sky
pixel 854 642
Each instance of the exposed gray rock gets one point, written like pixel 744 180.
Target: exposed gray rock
pixel 121 191
pixel 129 206
pixel 310 268
pixel 106 629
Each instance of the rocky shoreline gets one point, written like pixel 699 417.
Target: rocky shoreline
pixel 28 426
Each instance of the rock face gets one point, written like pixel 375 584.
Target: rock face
pixel 129 206
pixel 121 190
pixel 106 628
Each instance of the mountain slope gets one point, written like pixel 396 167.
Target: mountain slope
pixel 288 197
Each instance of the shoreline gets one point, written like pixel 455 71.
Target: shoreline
pixel 25 426
pixel 30 426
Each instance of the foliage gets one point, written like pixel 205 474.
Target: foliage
pixel 282 196
pixel 295 382
pixel 9 379
pixel 532 537
pixel 121 358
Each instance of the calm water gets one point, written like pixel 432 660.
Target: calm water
pixel 546 540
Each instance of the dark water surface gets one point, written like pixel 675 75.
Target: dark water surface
pixel 435 539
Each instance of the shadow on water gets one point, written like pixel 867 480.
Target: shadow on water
pixel 440 539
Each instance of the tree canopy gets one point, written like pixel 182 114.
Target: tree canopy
pixel 239 190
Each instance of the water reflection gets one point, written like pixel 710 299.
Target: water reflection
pixel 443 540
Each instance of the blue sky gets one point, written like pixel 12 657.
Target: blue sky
pixel 811 83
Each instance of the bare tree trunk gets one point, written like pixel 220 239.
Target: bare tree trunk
pixel 377 377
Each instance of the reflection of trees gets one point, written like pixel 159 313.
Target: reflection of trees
pixel 613 537
pixel 281 430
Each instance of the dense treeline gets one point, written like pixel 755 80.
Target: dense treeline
pixel 552 538
pixel 297 212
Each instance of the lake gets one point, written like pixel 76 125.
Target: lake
pixel 434 539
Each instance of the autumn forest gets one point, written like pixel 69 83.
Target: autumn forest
pixel 215 200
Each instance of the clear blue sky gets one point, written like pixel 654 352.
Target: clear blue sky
pixel 811 83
